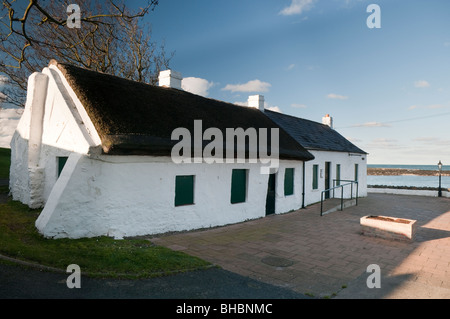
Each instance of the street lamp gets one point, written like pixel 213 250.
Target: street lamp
pixel 440 169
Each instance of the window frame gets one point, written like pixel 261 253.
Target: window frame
pixel 315 176
pixel 61 161
pixel 338 174
pixel 238 192
pixel 181 182
pixel 289 181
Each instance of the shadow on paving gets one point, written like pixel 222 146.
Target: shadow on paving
pixel 327 256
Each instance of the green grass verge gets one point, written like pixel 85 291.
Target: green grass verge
pixel 5 161
pixel 100 257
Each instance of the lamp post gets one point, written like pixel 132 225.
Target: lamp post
pixel 440 169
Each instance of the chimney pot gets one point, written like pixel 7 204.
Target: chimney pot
pixel 170 78
pixel 256 101
pixel 327 120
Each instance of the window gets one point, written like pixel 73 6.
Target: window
pixel 289 181
pixel 238 185
pixel 315 183
pixel 184 190
pixel 61 162
pixel 338 174
pixel 356 172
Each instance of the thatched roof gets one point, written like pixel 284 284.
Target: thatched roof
pixel 138 118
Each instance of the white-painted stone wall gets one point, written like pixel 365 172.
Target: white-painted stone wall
pixel 400 191
pixel 135 195
pixel 54 123
pixel 347 163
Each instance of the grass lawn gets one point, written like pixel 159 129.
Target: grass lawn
pixel 101 256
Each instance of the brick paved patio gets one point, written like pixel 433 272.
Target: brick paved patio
pixel 319 255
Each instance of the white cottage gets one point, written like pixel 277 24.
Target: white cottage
pixel 336 162
pixel 96 152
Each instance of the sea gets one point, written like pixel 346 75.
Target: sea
pixel 409 180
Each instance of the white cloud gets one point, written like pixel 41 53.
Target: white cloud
pixel 272 108
pixel 297 7
pixel 196 85
pixel 291 66
pixel 433 141
pixel 354 140
pixel 384 143
pixel 430 106
pixel 9 118
pixel 298 106
pixel 250 86
pixel 426 139
pixel 372 124
pixel 3 79
pixel 337 96
pixel 266 106
pixel 421 84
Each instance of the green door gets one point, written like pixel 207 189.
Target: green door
pixel 327 178
pixel 270 199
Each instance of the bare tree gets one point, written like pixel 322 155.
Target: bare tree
pixel 111 39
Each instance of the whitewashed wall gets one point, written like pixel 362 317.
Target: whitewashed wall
pixel 400 191
pixel 347 173
pixel 54 124
pixel 134 195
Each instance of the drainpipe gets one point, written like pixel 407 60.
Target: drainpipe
pixel 303 186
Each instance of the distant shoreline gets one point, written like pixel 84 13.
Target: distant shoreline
pixel 375 171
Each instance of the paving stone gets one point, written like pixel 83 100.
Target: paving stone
pixel 329 251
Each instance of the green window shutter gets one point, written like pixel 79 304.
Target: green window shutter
pixel 184 190
pixel 315 184
pixel 238 185
pixel 338 174
pixel 289 181
pixel 356 172
pixel 61 162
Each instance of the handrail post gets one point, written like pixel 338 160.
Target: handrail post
pixel 342 198
pixel 333 188
pixel 351 191
pixel 321 203
pixel 357 193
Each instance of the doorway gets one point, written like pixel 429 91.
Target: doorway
pixel 327 179
pixel 270 199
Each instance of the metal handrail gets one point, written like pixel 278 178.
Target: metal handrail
pixel 351 187
pixel 350 182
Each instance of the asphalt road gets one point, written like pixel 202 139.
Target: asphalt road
pixel 17 282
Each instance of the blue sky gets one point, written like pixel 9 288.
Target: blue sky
pixel 387 89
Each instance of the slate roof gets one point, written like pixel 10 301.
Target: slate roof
pixel 137 118
pixel 313 135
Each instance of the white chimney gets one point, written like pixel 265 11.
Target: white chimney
pixel 327 120
pixel 170 78
pixel 256 101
